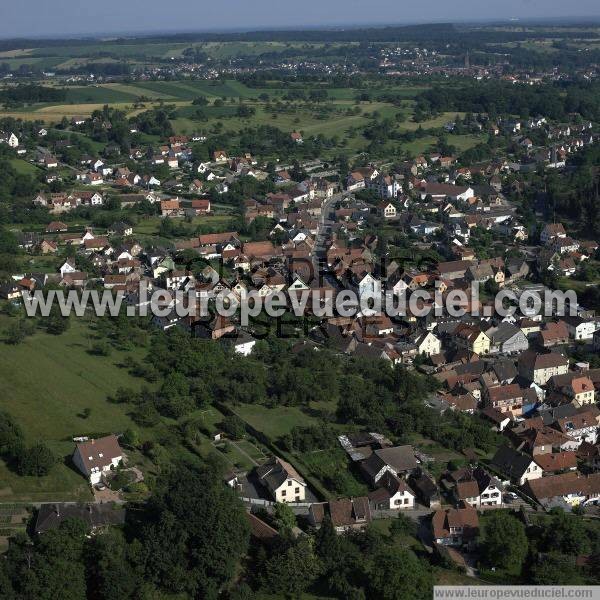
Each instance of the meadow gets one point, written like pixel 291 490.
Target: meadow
pixel 47 383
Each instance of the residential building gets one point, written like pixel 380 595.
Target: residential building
pixel 539 368
pixel 516 466
pixel 393 494
pixel 283 481
pixel 96 457
pixel 455 526
pixel 346 514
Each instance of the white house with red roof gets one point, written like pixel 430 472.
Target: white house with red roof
pixel 94 458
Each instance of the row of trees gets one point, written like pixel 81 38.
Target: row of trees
pixel 26 460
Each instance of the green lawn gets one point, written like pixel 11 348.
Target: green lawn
pixel 45 384
pixel 253 451
pixel 151 225
pixel 23 167
pixel 332 469
pixel 274 422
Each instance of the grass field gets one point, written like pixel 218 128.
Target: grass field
pixel 274 422
pixel 151 225
pixel 23 167
pixel 45 384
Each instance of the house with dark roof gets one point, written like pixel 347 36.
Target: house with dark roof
pixel 515 466
pixel 283 481
pixel 95 516
pixel 507 339
pixel 426 489
pixel 397 460
pixel 346 514
pixel 540 367
pixel 393 493
pixel 477 488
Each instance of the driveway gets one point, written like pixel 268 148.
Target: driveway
pixel 106 495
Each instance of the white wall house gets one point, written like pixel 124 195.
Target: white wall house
pixel 283 481
pixel 95 458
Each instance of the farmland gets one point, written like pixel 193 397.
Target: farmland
pixel 342 115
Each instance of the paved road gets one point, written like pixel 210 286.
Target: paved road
pixel 319 255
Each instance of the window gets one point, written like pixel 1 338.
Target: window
pixel 406 500
pixel 297 490
pixel 283 492
pixel 289 482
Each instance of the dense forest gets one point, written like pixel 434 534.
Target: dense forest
pixel 21 94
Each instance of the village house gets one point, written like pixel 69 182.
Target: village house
pixel 93 179
pixel 393 493
pixel 170 208
pixel 507 339
pixel 580 328
pixel 220 156
pixel 472 338
pixel 56 226
pixel 477 488
pixel 387 210
pixel 553 334
pixel 398 460
pixel 48 247
pixel 557 462
pixel 441 191
pixel 565 490
pixel 539 368
pixel 505 398
pixel 426 489
pixel 346 514
pixel 580 427
pixel 515 465
pixel 95 516
pixel 552 231
pixel 200 207
pixel 96 457
pixel 428 344
pixel 455 526
pixel 120 228
pixel 282 480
